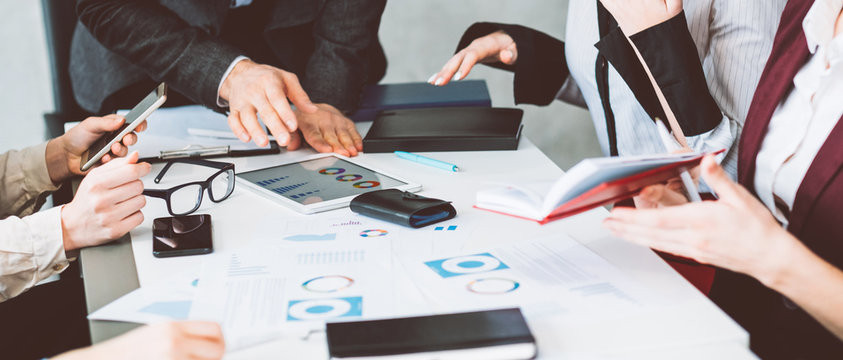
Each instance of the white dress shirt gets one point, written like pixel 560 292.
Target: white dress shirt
pixel 733 38
pixel 31 245
pixel 803 121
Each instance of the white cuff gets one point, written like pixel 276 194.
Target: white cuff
pixel 47 242
pixel 220 101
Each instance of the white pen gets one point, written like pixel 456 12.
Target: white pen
pixel 671 145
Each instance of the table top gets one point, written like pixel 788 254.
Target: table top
pixel 687 323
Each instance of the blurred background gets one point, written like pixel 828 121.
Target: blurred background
pixel 418 36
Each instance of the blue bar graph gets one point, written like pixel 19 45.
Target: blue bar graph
pixel 287 188
pixel 441 228
pixel 305 194
pixel 268 182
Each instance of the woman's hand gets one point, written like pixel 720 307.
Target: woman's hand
pixel 64 153
pixel 661 195
pixel 495 47
pixel 633 16
pixel 107 204
pixel 736 232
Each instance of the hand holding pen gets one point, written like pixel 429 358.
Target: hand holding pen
pixel 671 145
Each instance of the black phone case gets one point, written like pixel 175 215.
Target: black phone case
pixel 167 242
pixel 402 207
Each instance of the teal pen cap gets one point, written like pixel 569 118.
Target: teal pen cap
pixel 427 161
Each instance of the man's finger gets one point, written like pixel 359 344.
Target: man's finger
pixel 355 136
pixel 249 119
pixel 297 95
pixel 237 127
pixel 295 140
pixel 270 118
pixel 279 103
pixel 330 136
pixel 346 141
pixel 314 137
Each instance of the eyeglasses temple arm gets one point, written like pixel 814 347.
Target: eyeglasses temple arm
pixel 163 171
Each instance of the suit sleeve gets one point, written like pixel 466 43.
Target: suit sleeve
pixel 540 70
pixel 168 49
pixel 343 36
pixel 671 55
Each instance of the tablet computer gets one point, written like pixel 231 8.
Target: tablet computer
pixel 319 183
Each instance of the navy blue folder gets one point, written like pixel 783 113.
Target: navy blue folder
pixel 377 98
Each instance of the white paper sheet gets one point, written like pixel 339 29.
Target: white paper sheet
pixel 547 277
pixel 170 299
pixel 265 292
pixel 436 239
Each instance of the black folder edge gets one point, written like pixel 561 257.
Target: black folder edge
pixel 273 149
pixel 364 350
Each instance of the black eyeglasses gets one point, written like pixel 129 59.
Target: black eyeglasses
pixel 186 198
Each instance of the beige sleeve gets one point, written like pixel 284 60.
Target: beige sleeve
pixel 31 249
pixel 24 181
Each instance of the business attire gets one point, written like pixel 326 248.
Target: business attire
pixel 790 159
pixel 731 42
pixel 31 245
pixel 122 48
pixel 723 44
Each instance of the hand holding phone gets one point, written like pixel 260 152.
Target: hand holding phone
pixel 134 118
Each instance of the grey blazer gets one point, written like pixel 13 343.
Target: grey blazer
pixel 332 45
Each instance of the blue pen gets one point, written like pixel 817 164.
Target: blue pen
pixel 427 161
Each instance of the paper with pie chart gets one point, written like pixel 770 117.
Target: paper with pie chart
pixel 551 276
pixel 263 292
pixel 323 229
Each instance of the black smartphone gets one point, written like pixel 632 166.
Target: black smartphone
pixel 182 235
pixel 133 119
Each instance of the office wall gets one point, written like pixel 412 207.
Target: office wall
pixel 418 35
pixel 25 83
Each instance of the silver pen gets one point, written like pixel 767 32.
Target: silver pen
pixel 671 145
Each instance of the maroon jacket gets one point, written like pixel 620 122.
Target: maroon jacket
pixel 778 328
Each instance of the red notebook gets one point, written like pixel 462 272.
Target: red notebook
pixel 589 184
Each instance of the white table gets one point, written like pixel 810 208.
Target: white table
pixel 689 327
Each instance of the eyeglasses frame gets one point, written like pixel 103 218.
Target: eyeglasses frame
pixel 206 185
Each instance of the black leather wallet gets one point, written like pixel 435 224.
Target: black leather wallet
pixel 403 207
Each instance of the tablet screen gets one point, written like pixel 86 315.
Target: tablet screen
pixel 318 180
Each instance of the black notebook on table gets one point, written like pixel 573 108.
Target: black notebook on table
pixel 445 129
pixel 493 334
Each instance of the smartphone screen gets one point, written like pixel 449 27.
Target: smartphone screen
pixel 182 235
pixel 137 115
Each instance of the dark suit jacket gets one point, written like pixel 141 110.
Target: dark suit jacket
pixel 332 45
pixel 778 328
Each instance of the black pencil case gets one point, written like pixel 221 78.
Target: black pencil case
pixel 402 207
